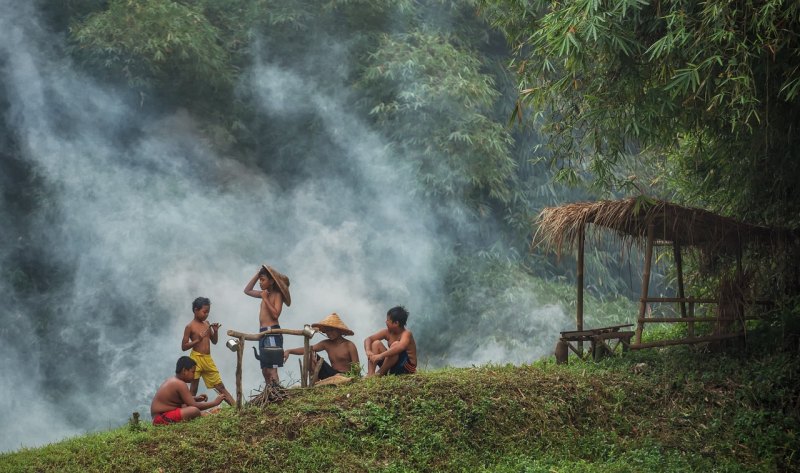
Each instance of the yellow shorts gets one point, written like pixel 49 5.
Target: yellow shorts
pixel 206 368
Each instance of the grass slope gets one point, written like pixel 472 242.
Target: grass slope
pixel 683 410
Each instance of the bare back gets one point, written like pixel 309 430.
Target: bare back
pixel 172 393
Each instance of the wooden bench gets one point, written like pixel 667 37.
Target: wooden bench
pixel 601 342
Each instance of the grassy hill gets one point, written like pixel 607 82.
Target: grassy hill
pixel 680 409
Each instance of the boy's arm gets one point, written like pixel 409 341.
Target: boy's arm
pixel 397 347
pixel 189 400
pixel 214 328
pixel 187 342
pixel 379 335
pixel 292 351
pixel 274 306
pixel 299 351
pixel 248 289
pixel 353 351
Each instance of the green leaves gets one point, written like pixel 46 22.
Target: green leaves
pixel 617 77
pixel 154 42
pixel 436 106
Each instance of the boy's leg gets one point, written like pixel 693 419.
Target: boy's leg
pixel 377 348
pixel 220 388
pixel 189 413
pixel 194 386
pixel 270 375
pixel 388 363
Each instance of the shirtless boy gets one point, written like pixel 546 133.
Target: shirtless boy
pixel 273 294
pixel 401 356
pixel 199 335
pixel 342 353
pixel 174 403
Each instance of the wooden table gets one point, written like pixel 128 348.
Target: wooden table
pixel 600 340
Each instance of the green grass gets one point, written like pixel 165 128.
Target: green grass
pixel 684 410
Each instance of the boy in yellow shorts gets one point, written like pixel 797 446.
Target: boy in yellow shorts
pixel 199 335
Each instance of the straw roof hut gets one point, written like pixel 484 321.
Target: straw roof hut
pixel 648 222
pixel 630 219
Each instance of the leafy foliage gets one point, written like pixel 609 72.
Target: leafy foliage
pixel 154 42
pixel 712 87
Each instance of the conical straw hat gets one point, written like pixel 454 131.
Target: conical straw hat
pixel 282 281
pixel 333 321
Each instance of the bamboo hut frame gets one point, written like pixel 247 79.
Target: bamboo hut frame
pixel 307 374
pixel 652 222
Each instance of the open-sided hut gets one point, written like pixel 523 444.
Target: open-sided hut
pixel 649 222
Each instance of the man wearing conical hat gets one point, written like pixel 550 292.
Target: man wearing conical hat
pixel 273 294
pixel 342 353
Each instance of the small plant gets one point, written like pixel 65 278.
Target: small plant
pixel 133 423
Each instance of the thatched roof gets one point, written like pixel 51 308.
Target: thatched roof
pixel 629 219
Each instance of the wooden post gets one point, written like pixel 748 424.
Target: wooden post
pixel 648 258
pixel 305 376
pixel 239 356
pixel 315 375
pixel 579 300
pixel 676 248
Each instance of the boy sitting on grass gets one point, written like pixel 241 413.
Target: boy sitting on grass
pixel 174 403
pixel 401 355
pixel 342 353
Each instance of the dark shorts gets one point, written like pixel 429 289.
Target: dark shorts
pixel 169 417
pixel 403 366
pixel 270 341
pixel 327 370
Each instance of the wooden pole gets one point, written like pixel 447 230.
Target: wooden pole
pixel 648 258
pixel 676 247
pixel 315 375
pixel 257 336
pixel 306 375
pixel 686 341
pixel 239 356
pixel 579 300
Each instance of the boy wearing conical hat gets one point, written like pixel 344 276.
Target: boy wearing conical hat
pixel 273 294
pixel 342 353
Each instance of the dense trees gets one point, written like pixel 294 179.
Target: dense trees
pixel 706 92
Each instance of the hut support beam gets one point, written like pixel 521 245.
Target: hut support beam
pixel 648 259
pixel 676 248
pixel 579 274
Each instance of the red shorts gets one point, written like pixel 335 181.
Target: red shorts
pixel 169 417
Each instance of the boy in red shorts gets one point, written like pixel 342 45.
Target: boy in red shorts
pixel 174 403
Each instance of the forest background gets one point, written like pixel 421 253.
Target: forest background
pixel 379 153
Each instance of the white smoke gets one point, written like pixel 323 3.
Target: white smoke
pixel 146 217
